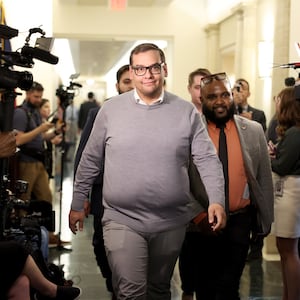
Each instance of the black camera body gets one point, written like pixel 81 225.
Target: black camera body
pixel 66 93
pixel 10 79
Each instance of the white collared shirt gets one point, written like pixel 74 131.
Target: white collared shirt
pixel 140 101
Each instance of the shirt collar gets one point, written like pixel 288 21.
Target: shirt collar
pixel 159 100
pixel 213 126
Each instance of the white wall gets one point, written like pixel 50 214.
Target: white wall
pixel 184 29
pixel 294 56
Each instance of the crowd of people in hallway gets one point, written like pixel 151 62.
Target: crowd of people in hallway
pixel 132 172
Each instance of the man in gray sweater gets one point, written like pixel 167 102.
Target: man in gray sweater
pixel 142 142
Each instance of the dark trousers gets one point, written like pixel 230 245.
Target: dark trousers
pixel 195 269
pixel 213 265
pixel 233 245
pixel 99 250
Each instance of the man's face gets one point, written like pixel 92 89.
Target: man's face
pixel 241 93
pixel 195 91
pixel 217 101
pixel 35 97
pixel 125 84
pixel 149 86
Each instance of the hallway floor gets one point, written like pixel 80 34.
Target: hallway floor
pixel 260 280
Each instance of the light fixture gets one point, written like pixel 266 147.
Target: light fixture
pixel 265 58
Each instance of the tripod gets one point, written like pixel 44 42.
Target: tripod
pixel 59 246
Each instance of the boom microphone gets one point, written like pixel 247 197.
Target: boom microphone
pixel 40 54
pixel 295 65
pixel 75 84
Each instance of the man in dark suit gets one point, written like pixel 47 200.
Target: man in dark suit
pixel 84 109
pixel 241 93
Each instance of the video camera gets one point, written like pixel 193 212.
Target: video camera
pixel 66 93
pixel 10 79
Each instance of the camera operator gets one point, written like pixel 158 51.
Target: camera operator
pixel 31 133
pixel 30 138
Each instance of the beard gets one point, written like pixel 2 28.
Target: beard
pixel 211 116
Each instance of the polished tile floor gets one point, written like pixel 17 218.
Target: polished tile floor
pixel 260 280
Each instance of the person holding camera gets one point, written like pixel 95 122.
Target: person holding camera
pixel 32 132
pixel 241 93
pixel 45 113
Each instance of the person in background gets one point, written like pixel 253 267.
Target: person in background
pixel 94 206
pixel 241 93
pixel 71 120
pixel 45 110
pixel 31 135
pixel 124 83
pixel 84 109
pixel 285 162
pixel 189 252
pixel 19 272
pixel 248 184
pixel 142 142
pixel 194 86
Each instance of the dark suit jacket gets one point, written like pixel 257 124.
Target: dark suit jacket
pixel 258 116
pixel 96 192
pixel 258 170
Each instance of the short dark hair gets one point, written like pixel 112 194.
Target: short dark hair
pixel 91 95
pixel 36 86
pixel 44 101
pixel 144 48
pixel 240 81
pixel 198 72
pixel 121 71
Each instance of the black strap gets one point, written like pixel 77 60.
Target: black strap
pixel 33 153
pixel 223 155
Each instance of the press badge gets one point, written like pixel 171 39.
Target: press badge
pixel 279 188
pixel 246 193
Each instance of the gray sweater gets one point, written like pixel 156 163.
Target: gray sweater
pixel 145 152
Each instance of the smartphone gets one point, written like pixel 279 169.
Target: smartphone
pixel 54 120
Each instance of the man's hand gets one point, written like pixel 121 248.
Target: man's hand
pixel 216 216
pixel 74 218
pixel 45 126
pixel 7 144
pixel 247 115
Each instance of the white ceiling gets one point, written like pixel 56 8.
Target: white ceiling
pixel 95 58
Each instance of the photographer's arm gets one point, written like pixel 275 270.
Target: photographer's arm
pixel 25 137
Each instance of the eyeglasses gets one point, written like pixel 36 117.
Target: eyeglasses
pixel 209 78
pixel 153 69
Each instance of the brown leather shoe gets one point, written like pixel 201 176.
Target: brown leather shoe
pixel 54 240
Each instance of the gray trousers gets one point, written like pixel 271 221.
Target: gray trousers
pixel 142 264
